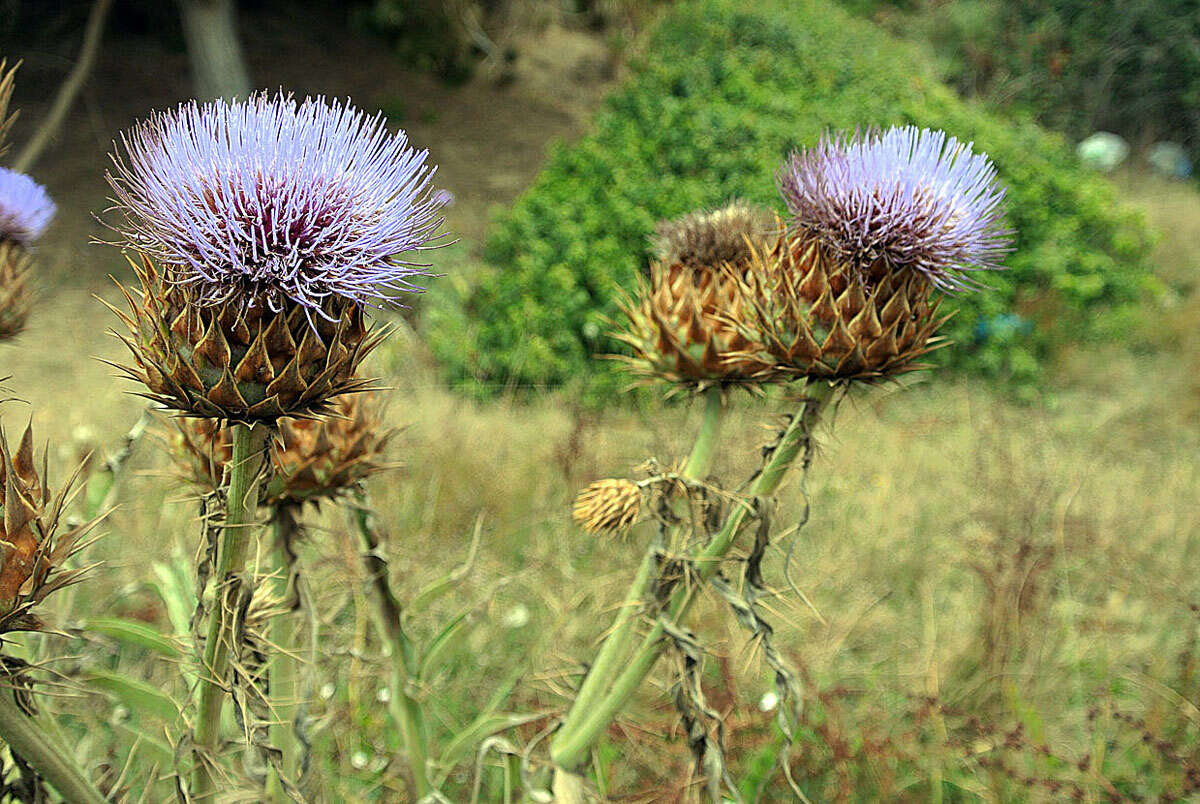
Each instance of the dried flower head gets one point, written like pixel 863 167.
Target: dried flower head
pixel 25 209
pixel 32 553
pixel 707 240
pixel 909 198
pixel 271 200
pixel 679 326
pixel 312 459
pixel 608 506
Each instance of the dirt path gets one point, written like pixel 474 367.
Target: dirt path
pixel 488 140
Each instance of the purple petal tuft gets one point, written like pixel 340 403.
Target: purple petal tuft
pixel 25 209
pixel 915 198
pixel 275 199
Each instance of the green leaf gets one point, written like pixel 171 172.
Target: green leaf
pixel 128 632
pixel 480 729
pixel 174 586
pixel 427 596
pixel 137 695
pixel 441 645
pixel 162 753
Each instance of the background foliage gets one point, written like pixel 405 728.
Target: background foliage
pixel 1079 65
pixel 720 94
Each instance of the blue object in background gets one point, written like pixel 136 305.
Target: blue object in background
pixel 1005 326
pixel 1170 159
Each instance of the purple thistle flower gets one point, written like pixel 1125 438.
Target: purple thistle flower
pixel 25 209
pixel 273 199
pixel 915 198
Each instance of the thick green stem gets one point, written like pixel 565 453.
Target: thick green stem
pixel 241 506
pixel 404 708
pixel 700 461
pixel 284 695
pixel 616 645
pixel 54 762
pixel 571 752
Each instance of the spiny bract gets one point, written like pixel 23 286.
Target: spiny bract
pixel 312 459
pixel 808 314
pixel 15 295
pixel 32 553
pixel 225 362
pixel 679 326
pixel 7 77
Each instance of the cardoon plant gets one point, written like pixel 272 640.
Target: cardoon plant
pixel 843 294
pixel 313 461
pixel 264 228
pixel 25 211
pixel 34 548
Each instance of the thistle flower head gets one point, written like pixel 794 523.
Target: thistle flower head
pixel 913 198
pixel 25 209
pixel 679 324
pixel 273 199
pixel 712 238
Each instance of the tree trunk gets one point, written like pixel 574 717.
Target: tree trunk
pixel 218 67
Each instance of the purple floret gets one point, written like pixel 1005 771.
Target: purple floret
pixel 915 198
pixel 25 209
pixel 272 199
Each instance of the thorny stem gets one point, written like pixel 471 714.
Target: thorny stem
pixel 284 694
pixel 405 709
pixel 571 751
pixel 54 762
pixel 241 505
pixel 616 645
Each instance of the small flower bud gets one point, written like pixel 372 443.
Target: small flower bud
pixel 608 506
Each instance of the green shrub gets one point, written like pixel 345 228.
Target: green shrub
pixel 721 94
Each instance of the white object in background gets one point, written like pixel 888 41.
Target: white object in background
pixel 1103 151
pixel 768 702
